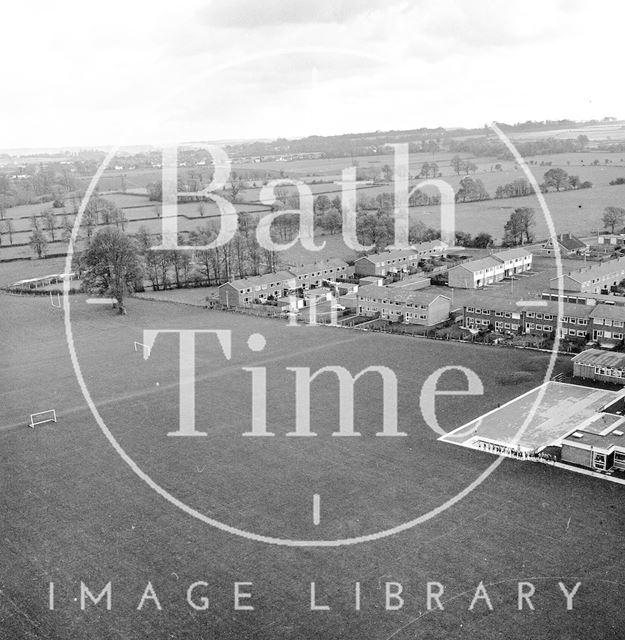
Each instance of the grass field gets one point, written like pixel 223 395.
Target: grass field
pixel 72 510
pixel 578 212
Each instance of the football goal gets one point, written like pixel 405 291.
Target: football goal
pixel 146 349
pixel 41 417
pixel 56 301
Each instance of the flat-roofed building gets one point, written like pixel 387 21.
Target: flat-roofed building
pixel 598 443
pixel 368 280
pixel 596 278
pixel 401 305
pixel 585 298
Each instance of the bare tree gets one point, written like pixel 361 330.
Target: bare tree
pixel 613 217
pixel 38 242
pixel 49 220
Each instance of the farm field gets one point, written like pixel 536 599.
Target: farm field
pixel 578 212
pixel 72 509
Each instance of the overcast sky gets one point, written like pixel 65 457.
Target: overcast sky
pixel 137 72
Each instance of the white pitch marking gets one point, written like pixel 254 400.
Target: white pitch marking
pixel 531 303
pixel 316 509
pixel 101 300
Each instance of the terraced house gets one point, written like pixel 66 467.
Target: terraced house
pixel 257 288
pixel 313 275
pixel 597 278
pixel 475 274
pixel 544 320
pixel 401 305
pixel 516 260
pixel 607 324
pixel 385 262
pixel 500 313
pixel 506 316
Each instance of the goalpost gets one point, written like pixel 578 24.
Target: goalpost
pixel 40 417
pixel 146 349
pixel 55 303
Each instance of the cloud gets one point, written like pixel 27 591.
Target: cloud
pixel 255 14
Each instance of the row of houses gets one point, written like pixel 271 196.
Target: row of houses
pixel 387 262
pixel 399 304
pixel 476 274
pixel 595 278
pixel 272 286
pixel 602 323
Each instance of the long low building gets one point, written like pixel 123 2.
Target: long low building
pixel 596 364
pixel 313 275
pixel 245 291
pixel 596 278
pixel 601 323
pixel 402 305
pixel 257 288
pixel 385 262
pixel 476 274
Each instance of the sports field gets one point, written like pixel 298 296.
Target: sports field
pixel 73 509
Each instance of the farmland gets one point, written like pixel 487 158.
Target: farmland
pixel 75 512
pixel 576 211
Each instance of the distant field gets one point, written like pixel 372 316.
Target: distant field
pixel 578 212
pixel 72 510
pixel 614 132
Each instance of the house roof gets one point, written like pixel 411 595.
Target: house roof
pixel 268 278
pixel 318 266
pixel 479 264
pixel 512 254
pixel 415 252
pixel 608 312
pixel 400 295
pixel 596 271
pixel 595 297
pixel 598 357
pixel 416 278
pixel 384 256
pixel 499 303
pixel 570 242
